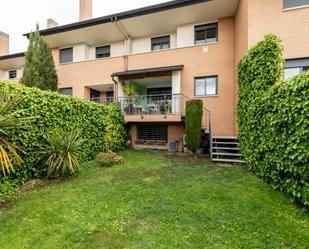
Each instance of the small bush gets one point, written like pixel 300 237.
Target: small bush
pixel 7 188
pixel 108 159
pixel 194 114
pixel 59 152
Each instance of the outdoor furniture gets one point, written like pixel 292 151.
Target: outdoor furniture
pixel 154 109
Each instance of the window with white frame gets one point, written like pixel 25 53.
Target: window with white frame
pixel 290 4
pixel 295 67
pixel 206 86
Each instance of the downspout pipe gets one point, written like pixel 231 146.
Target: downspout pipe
pixel 127 41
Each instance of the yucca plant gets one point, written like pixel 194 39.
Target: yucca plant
pixel 59 152
pixel 9 121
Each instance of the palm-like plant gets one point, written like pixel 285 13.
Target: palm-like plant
pixel 9 121
pixel 59 152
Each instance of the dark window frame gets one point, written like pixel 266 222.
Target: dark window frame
pixel 14 71
pixel 156 41
pixel 152 133
pixel 61 58
pixel 206 27
pixel 296 63
pixel 206 77
pixel 66 88
pixel 105 54
pixel 295 4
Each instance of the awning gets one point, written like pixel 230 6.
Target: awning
pixel 140 72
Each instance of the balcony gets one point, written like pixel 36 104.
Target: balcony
pixel 154 108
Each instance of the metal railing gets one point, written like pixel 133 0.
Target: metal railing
pixel 161 104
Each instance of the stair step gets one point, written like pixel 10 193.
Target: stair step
pixel 221 137
pixel 235 143
pixel 228 160
pixel 225 154
pixel 225 148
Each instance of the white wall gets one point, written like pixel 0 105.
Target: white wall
pixel 2 75
pixel 185 36
pixel 117 49
pixel 176 86
pixel 143 45
pixel 80 52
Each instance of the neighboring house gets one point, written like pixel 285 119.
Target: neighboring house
pixel 11 66
pixel 171 52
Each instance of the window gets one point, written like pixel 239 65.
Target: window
pixel 66 91
pixel 288 4
pixel 206 33
pixel 95 95
pixel 66 55
pixel 160 43
pixel 103 52
pixel 295 67
pixel 206 86
pixel 13 74
pixel 152 134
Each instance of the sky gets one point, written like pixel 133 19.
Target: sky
pixel 20 16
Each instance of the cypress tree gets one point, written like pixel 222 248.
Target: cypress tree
pixel 39 69
pixel 194 116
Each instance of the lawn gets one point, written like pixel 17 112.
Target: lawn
pixel 155 201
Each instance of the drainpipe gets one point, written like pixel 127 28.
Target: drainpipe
pixel 127 42
pixel 116 88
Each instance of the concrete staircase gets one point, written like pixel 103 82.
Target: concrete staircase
pixel 225 150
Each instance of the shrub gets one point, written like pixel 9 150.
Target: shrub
pixel 107 159
pixel 59 152
pixel 194 114
pixel 102 126
pixel 9 121
pixel 273 118
pixel 7 188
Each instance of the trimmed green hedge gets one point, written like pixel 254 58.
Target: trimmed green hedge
pixel 102 126
pixel 273 118
pixel 194 115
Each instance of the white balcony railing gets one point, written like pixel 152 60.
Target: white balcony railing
pixel 162 104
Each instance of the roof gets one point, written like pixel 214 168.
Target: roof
pixel 148 70
pixel 119 16
pixel 12 56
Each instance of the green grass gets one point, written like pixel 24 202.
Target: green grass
pixel 155 201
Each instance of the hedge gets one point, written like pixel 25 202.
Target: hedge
pixel 194 115
pixel 273 118
pixel 102 126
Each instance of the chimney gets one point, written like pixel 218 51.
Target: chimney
pixel 4 44
pixel 51 23
pixel 85 10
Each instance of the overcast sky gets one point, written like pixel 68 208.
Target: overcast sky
pixel 20 16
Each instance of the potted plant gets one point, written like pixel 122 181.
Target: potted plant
pixel 129 91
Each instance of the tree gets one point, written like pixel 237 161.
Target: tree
pixel 194 114
pixel 39 69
